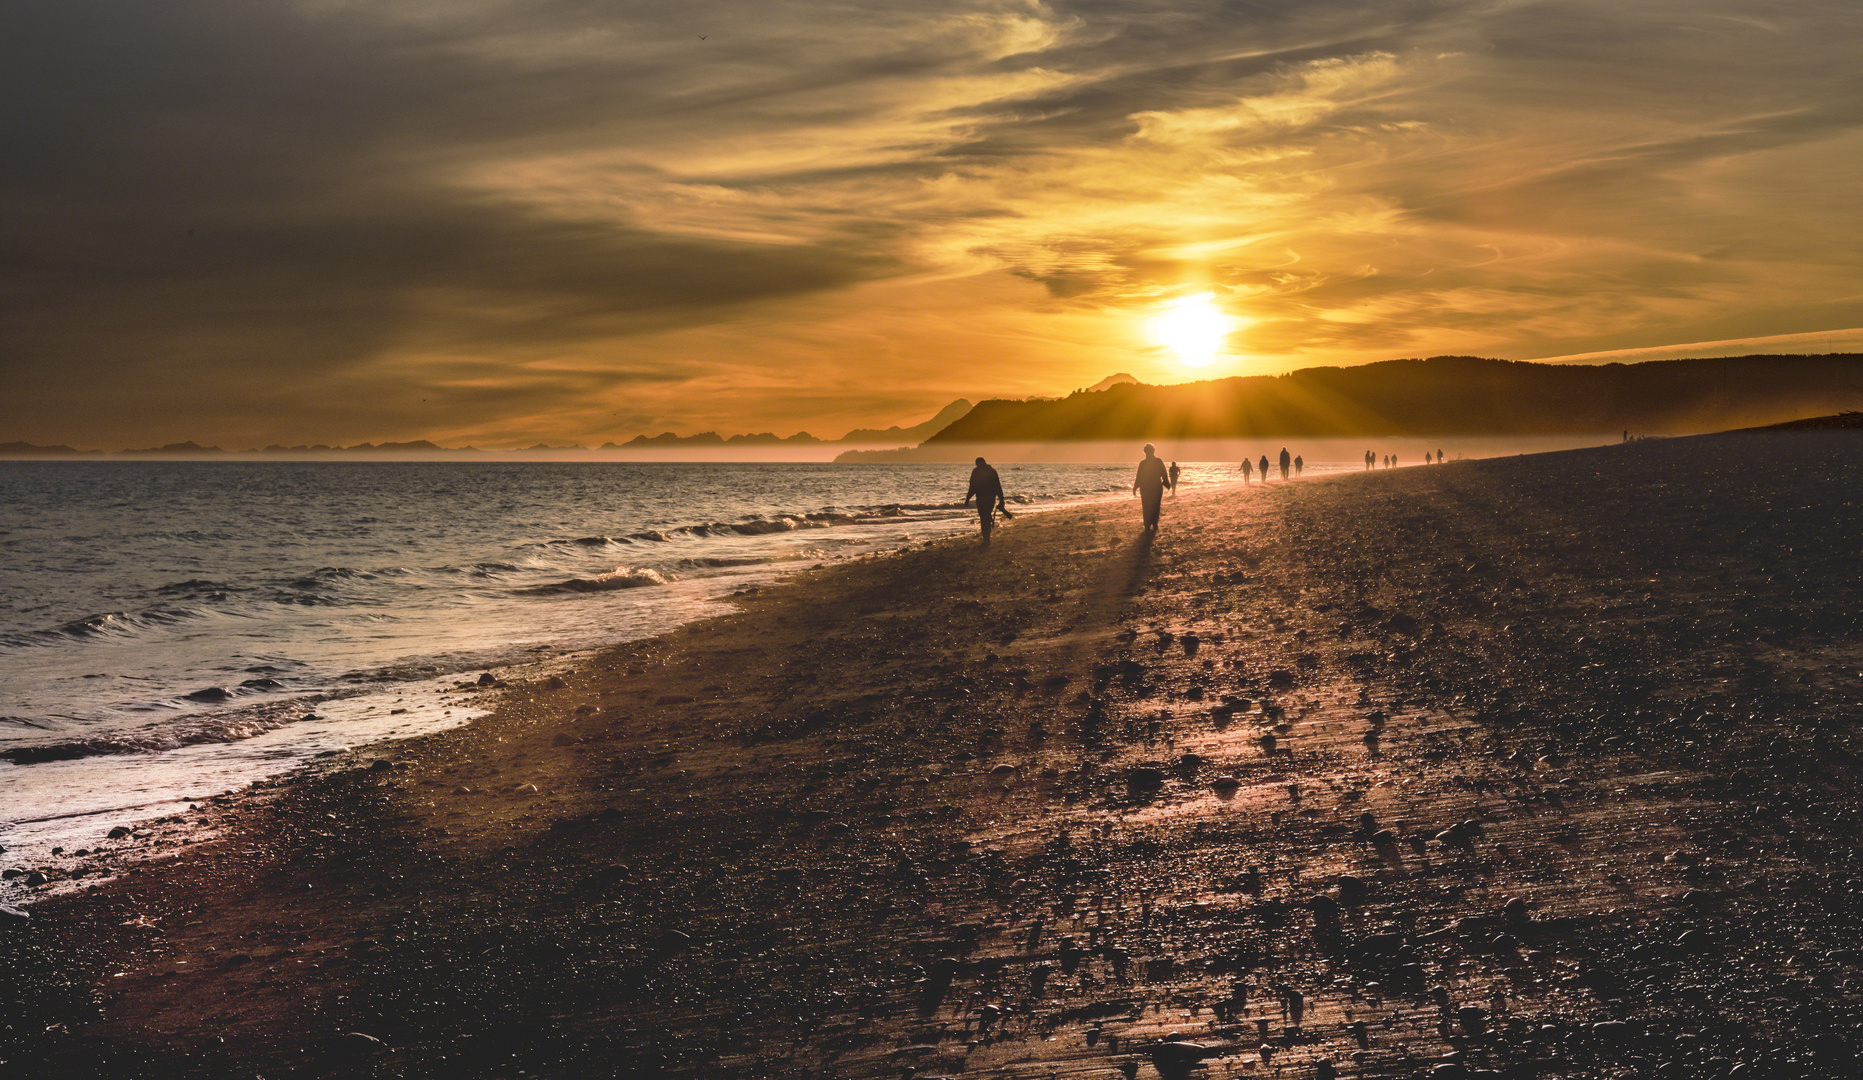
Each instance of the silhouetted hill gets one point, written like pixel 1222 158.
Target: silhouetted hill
pixel 30 450
pixel 1845 421
pixel 1444 395
pixel 180 449
pixel 917 433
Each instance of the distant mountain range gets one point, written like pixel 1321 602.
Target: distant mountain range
pixel 1440 396
pixel 895 435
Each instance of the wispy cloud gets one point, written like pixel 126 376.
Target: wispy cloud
pixel 563 219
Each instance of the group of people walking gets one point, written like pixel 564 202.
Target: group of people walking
pixel 1248 468
pixel 1372 460
pixel 1153 480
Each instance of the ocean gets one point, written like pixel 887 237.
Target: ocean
pixel 174 630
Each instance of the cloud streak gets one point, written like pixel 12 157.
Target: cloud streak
pixel 572 221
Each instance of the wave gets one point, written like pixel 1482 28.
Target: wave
pixel 747 527
pixel 196 587
pixel 783 523
pixel 621 577
pixel 189 731
pixel 104 625
pixel 29 722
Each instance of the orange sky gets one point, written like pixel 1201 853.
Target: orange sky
pixel 501 222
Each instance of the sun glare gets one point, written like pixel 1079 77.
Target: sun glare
pixel 1193 327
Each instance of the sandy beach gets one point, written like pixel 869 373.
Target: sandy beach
pixel 1533 767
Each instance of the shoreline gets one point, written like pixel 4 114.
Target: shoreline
pixel 962 808
pixel 262 736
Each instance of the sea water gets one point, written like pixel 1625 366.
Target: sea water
pixel 172 630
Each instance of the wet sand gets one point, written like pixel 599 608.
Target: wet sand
pixel 1538 766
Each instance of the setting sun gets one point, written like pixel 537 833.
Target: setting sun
pixel 1193 327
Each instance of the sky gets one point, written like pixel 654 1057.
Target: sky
pixel 506 222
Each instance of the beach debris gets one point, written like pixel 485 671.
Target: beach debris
pixel 210 695
pixel 12 916
pixel 487 679
pixel 1352 890
pixel 1325 913
pixel 1175 1056
pixel 1143 781
pixel 1038 978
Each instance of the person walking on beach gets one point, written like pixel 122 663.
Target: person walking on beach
pixel 1369 458
pixel 1149 484
pixel 1286 460
pixel 1174 474
pixel 1298 464
pixel 1248 470
pixel 987 488
pixel 1264 468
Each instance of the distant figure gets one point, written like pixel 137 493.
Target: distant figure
pixel 1174 474
pixel 1369 459
pixel 1248 470
pixel 1149 484
pixel 1426 457
pixel 1264 468
pixel 1393 461
pixel 1439 456
pixel 987 488
pixel 1298 464
pixel 1286 460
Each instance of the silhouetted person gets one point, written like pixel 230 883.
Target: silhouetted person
pixel 1263 466
pixel 987 488
pixel 1426 457
pixel 1248 470
pixel 1175 471
pixel 1286 460
pixel 1149 484
pixel 1298 464
pixel 1369 459
pixel 1439 456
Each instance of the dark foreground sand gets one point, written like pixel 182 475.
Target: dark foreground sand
pixel 1541 766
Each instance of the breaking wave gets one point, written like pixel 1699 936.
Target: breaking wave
pixel 621 577
pixel 187 731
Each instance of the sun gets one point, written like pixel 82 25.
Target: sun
pixel 1193 327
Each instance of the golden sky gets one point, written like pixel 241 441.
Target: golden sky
pixel 504 222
